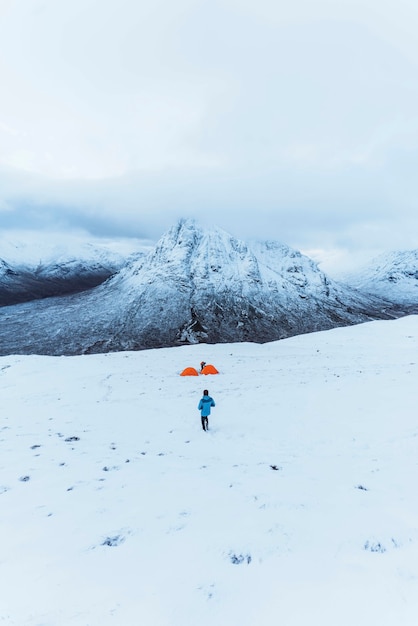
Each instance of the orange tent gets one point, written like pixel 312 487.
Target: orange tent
pixel 209 369
pixel 189 371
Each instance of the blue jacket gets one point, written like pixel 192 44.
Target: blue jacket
pixel 204 405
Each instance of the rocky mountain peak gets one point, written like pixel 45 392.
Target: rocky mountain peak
pixel 197 285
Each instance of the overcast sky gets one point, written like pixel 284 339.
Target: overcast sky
pixel 296 121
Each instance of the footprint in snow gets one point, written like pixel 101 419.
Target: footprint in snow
pixel 115 540
pixel 238 559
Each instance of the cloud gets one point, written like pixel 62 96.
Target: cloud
pixel 99 89
pixel 292 121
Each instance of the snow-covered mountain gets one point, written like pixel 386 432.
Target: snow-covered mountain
pixel 197 285
pixel 298 507
pixel 42 267
pixel 393 276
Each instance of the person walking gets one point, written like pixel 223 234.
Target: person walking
pixel 206 402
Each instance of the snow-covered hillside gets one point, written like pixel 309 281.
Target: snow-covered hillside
pixel 39 266
pixel 297 507
pixel 393 276
pixel 196 285
pixel 41 249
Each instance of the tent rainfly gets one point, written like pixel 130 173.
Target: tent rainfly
pixel 189 371
pixel 209 369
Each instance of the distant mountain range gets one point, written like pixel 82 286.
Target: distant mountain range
pixel 393 276
pixel 196 285
pixel 31 273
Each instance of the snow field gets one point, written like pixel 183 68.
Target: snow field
pixel 297 507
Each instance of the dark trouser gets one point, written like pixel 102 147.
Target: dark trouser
pixel 205 423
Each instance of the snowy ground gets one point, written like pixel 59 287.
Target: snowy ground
pixel 299 506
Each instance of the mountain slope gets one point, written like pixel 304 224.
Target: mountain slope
pixel 41 269
pixel 393 276
pixel 196 286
